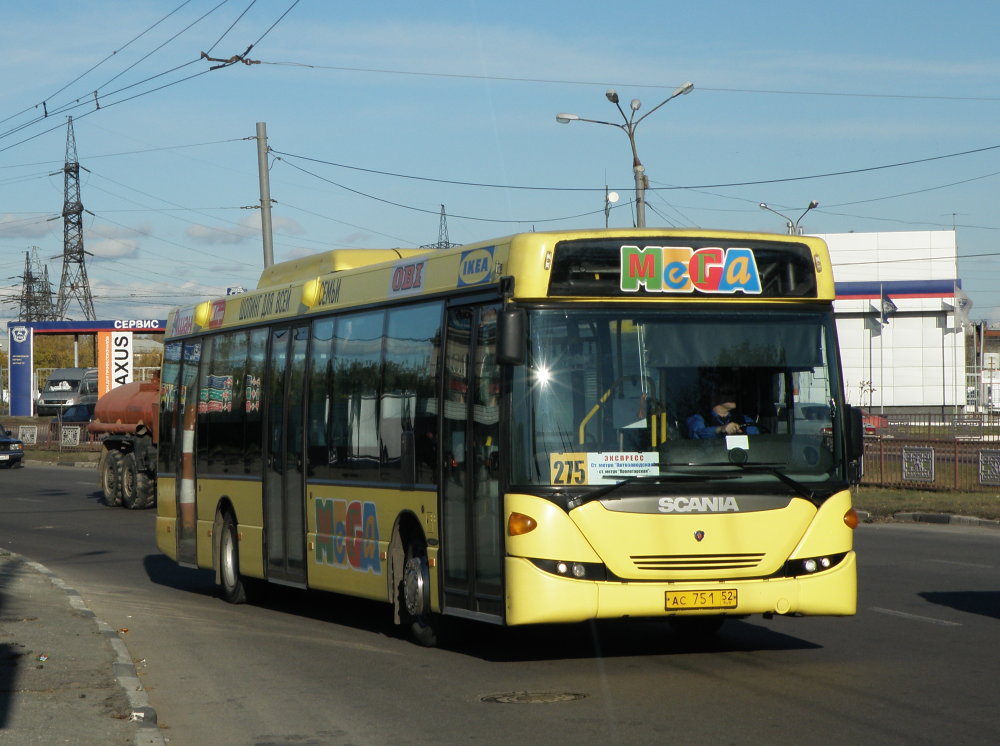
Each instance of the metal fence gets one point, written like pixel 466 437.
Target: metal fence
pixel 55 436
pixel 959 451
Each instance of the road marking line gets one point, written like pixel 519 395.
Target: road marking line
pixel 915 617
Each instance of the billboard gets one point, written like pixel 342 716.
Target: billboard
pixel 114 360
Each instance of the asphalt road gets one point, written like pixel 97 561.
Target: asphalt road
pixel 918 664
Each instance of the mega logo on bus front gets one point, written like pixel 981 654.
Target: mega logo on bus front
pixel 679 269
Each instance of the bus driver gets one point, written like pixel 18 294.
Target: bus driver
pixel 722 419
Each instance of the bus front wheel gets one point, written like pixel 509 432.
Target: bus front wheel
pixel 233 588
pixel 415 598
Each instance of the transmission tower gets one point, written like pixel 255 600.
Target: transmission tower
pixel 442 242
pixel 74 284
pixel 36 290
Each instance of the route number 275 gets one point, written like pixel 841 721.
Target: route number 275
pixel 568 469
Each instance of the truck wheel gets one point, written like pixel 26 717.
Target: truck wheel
pixel 138 490
pixel 111 479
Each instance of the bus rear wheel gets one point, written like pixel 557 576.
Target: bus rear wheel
pixel 111 471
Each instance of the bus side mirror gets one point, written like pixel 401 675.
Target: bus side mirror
pixel 511 336
pixel 855 443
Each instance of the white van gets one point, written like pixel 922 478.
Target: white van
pixel 66 387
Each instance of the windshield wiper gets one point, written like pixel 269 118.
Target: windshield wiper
pixel 774 469
pixel 607 489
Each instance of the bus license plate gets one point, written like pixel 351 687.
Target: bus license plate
pixel 714 599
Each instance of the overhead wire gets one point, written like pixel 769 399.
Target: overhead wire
pixel 100 100
pixel 486 185
pixel 655 86
pixel 96 65
pixel 436 212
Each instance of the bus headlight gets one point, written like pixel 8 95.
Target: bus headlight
pixel 575 570
pixel 810 565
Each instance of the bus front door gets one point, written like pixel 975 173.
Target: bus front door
pixel 284 500
pixel 471 531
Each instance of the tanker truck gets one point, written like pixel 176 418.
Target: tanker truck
pixel 128 419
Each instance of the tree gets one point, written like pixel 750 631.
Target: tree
pixel 56 351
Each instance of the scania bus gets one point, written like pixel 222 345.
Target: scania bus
pixel 502 431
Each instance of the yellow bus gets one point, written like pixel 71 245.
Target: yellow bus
pixel 546 427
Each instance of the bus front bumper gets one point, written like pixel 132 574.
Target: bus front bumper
pixel 538 597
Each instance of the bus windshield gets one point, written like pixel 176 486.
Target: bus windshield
pixel 609 396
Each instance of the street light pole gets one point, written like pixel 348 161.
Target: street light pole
pixel 794 229
pixel 629 127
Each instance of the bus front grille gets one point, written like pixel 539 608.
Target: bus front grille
pixel 676 562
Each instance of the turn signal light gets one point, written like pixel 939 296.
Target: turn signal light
pixel 519 523
pixel 851 518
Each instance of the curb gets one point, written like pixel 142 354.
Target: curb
pixel 77 464
pixel 938 518
pixel 124 670
pixel 960 520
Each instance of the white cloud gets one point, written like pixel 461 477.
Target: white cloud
pixel 114 242
pixel 213 236
pixel 35 226
pixel 235 233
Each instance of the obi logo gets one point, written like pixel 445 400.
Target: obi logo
pixel 347 535
pixel 475 266
pixel 668 269
pixel 407 278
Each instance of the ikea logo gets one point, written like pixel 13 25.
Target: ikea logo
pixel 476 266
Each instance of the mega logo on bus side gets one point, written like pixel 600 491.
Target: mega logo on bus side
pixel 347 535
pixel 680 269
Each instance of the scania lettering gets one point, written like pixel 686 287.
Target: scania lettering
pixel 698 504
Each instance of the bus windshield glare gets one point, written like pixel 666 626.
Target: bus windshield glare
pixel 613 395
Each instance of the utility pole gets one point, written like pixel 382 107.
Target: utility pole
pixel 74 283
pixel 265 194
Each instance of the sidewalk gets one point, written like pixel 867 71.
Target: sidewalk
pixel 65 676
pixel 939 518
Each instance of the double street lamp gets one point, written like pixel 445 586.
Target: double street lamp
pixel 629 127
pixel 794 229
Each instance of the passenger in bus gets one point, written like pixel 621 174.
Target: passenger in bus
pixel 721 419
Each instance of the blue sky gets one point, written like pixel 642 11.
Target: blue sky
pixel 379 113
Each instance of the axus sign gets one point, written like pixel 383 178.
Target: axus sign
pixel 114 362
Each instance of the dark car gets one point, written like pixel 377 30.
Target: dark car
pixel 11 449
pixel 76 413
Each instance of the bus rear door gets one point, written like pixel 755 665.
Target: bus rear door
pixel 284 498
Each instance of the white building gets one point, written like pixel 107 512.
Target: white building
pixel 912 358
